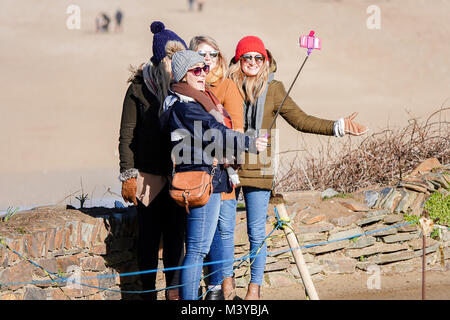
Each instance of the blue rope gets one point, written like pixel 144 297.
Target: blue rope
pixel 251 255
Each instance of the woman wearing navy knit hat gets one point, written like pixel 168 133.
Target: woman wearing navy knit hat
pixel 145 163
pixel 252 69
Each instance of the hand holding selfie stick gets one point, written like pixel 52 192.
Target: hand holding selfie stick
pixel 310 42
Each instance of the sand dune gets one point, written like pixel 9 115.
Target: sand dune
pixel 62 90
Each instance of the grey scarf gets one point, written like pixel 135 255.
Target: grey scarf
pixel 253 113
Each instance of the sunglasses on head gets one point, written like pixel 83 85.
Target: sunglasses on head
pixel 212 53
pixel 249 57
pixel 198 70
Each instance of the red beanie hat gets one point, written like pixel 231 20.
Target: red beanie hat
pixel 250 44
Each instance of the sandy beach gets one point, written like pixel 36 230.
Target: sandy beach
pixel 62 89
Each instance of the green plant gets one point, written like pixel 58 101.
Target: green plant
pixel 435 234
pixel 438 206
pixel 9 213
pixel 354 240
pixel 362 258
pixel 411 218
pixel 21 230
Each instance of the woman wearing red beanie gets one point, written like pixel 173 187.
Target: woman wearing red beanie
pixel 252 69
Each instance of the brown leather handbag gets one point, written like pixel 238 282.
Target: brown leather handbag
pixel 191 188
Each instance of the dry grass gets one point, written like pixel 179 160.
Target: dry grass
pixel 382 158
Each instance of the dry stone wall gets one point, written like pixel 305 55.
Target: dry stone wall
pixel 100 243
pixel 71 244
pixel 393 249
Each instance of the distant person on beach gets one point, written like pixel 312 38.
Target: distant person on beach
pixel 200 4
pixel 145 164
pixel 102 22
pixel 252 69
pixel 118 16
pixel 191 4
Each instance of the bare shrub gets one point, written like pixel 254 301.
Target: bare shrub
pixel 382 158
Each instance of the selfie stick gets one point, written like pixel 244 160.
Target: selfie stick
pixel 310 42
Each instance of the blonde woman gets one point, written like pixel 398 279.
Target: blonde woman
pixel 145 163
pixel 222 247
pixel 252 69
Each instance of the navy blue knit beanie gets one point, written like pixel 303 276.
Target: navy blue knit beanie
pixel 160 38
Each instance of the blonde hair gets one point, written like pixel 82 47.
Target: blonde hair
pixel 160 75
pixel 221 61
pixel 250 87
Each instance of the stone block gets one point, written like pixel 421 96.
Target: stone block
pixel 328 247
pixel 279 279
pixel 34 244
pixel 12 296
pixel 313 219
pixel 99 249
pixel 383 230
pixel 50 240
pixel 392 257
pixel 277 266
pixel 429 249
pixel 366 221
pixel 338 265
pixel 406 202
pixel 393 218
pixel 307 237
pixel 240 234
pixel 417 205
pixel 33 293
pixel 408 228
pixel 48 264
pixel 94 263
pixel 72 227
pixel 426 166
pixel 313 268
pixel 383 194
pixel 376 213
pixel 56 294
pixel 20 273
pixel 319 227
pixel 392 201
pixel 371 198
pixel 344 220
pixel 86 234
pixel 399 237
pixel 378 247
pixel 345 234
pixel 309 258
pixel 362 242
pixel 355 206
pixel 64 262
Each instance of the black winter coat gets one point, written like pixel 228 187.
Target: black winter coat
pixel 142 145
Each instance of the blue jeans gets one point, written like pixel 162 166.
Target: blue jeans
pixel 222 247
pixel 200 228
pixel 256 204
